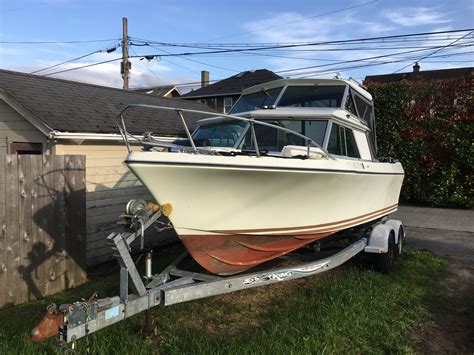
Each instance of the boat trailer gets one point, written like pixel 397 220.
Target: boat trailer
pixel 171 286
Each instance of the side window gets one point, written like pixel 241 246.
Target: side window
pixel 336 143
pixel 350 106
pixel 351 145
pixel 342 142
pixel 363 108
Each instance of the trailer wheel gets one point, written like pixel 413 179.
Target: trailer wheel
pixel 384 262
pixel 399 247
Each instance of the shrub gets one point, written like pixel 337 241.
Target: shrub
pixel 428 126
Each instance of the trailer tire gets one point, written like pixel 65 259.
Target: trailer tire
pixel 399 246
pixel 384 262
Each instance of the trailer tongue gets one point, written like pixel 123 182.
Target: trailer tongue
pixel 172 285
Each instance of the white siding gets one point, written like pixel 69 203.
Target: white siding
pixel 110 185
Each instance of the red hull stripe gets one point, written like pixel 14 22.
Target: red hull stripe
pixel 337 227
pixel 311 229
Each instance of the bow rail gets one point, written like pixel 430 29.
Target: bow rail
pixel 148 140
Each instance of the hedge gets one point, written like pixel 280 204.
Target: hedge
pixel 428 126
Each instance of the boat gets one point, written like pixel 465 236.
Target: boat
pixel 293 163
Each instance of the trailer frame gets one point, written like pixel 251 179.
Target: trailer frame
pixel 172 285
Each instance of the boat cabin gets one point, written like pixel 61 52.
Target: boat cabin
pixel 336 114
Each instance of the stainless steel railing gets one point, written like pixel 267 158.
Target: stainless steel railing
pixel 120 122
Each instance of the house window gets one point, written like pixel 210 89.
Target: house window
pixel 342 142
pixel 228 102
pixel 26 148
pixel 212 103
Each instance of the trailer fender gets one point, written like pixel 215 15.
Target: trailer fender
pixel 378 239
pixel 395 224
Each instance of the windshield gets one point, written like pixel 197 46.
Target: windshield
pixel 273 140
pixel 256 100
pixel 313 96
pixel 223 134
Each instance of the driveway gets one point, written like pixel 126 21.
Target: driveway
pixel 448 233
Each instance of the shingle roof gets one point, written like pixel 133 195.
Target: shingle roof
pixel 234 85
pixel 424 74
pixel 70 106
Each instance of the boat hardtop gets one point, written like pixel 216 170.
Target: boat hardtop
pixel 336 114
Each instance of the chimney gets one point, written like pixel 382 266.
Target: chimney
pixel 416 68
pixel 204 78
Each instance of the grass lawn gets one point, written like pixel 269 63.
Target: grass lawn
pixel 346 310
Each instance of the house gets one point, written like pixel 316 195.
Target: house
pixel 41 115
pixel 439 74
pixel 170 91
pixel 221 95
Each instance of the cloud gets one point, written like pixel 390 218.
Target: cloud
pixel 350 25
pixel 329 28
pixel 415 16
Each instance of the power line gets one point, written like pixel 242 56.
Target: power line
pixel 65 62
pixel 148 68
pixel 288 70
pixel 219 51
pixel 179 65
pixel 341 69
pixel 354 60
pixel 332 60
pixel 245 50
pixel 84 66
pixel 436 51
pixel 194 83
pixel 60 42
pixel 262 46
pixel 196 61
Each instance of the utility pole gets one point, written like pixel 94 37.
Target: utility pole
pixel 126 65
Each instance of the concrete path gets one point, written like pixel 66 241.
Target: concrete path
pixel 446 232
pixel 436 218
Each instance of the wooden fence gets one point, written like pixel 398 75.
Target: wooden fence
pixel 42 221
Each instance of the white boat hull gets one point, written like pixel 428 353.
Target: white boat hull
pixel 218 197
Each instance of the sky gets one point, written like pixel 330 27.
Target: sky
pixel 220 23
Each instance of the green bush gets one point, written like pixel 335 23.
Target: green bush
pixel 428 126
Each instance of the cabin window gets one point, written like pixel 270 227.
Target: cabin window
pixel 256 101
pixel 363 108
pixel 274 140
pixel 351 145
pixel 349 105
pixel 26 148
pixel 312 96
pixel 342 142
pixel 219 135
